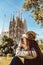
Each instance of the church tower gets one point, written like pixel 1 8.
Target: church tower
pixel 16 28
pixel 11 27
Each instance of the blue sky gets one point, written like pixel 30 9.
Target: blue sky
pixel 7 7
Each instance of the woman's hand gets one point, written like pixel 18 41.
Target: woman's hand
pixel 20 44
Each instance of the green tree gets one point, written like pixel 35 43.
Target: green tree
pixel 37 9
pixel 7 44
pixel 4 40
pixel 10 42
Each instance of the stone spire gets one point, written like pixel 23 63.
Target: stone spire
pixel 11 19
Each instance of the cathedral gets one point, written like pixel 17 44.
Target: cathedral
pixel 16 28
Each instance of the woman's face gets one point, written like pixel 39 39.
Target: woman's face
pixel 25 42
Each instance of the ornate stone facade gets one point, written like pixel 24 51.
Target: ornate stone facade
pixel 17 28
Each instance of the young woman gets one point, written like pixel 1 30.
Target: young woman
pixel 25 52
pixel 32 54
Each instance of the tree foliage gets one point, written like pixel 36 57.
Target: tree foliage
pixel 7 45
pixel 37 10
pixel 6 41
